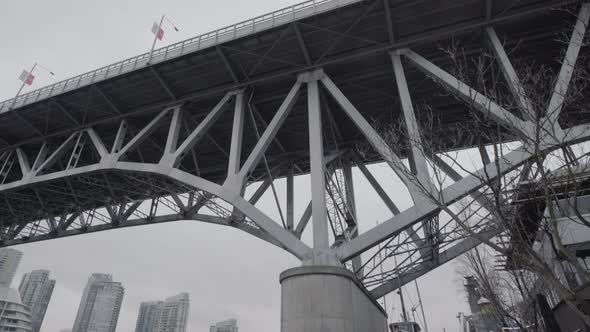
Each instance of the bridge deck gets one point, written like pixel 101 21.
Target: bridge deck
pixel 350 43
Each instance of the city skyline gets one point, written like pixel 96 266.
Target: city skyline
pixel 99 305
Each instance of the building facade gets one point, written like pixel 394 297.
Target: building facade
pixel 230 325
pixel 170 315
pixel 100 305
pixel 9 261
pixel 149 316
pixel 35 290
pixel 174 314
pixel 14 315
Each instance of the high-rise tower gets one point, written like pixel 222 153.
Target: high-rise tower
pixel 14 315
pixel 149 316
pixel 170 315
pixel 35 290
pixel 9 261
pixel 100 305
pixel 230 325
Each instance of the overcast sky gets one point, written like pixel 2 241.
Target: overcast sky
pixel 227 273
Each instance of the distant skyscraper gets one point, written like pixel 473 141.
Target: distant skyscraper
pixel 100 305
pixel 174 314
pixel 35 291
pixel 9 260
pixel 14 315
pixel 230 325
pixel 170 315
pixel 149 316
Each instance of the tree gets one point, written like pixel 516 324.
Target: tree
pixel 511 292
pixel 515 108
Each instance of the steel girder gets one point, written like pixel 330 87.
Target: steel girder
pixel 82 184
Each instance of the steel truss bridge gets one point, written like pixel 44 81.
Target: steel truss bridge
pixel 186 134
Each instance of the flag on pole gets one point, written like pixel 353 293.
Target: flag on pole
pixel 27 77
pixel 158 31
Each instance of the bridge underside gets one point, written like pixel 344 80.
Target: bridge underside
pixel 187 138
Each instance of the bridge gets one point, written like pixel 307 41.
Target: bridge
pixel 201 129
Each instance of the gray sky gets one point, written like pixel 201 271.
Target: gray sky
pixel 227 273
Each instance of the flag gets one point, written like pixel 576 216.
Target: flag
pixel 27 77
pixel 158 31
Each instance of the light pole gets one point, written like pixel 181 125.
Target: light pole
pixel 459 315
pixel 157 31
pixel 27 78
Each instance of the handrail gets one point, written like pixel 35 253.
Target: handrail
pixel 215 37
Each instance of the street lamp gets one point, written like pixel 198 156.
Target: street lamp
pixel 159 34
pixel 27 78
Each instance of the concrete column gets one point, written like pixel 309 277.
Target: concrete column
pixel 327 299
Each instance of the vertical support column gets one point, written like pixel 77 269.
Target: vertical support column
pixel 316 155
pixel 236 137
pixel 290 200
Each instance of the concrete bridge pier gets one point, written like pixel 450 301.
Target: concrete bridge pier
pixel 327 299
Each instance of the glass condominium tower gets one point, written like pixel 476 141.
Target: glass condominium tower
pixel 100 305
pixel 170 315
pixel 35 290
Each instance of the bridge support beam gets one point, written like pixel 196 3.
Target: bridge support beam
pixel 326 299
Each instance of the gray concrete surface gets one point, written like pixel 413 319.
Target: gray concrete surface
pixel 327 299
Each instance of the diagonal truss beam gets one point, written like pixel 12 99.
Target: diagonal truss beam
pixel 268 135
pixel 107 99
pixel 302 45
pixel 235 151
pixel 371 135
pixel 53 158
pixel 386 199
pixel 413 131
pixel 143 134
pixel 163 83
pixel 510 75
pixel 227 65
pixel 481 103
pixel 199 132
pixel 569 63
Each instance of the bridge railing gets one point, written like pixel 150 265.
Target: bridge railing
pixel 241 29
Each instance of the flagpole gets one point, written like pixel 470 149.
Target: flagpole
pixel 22 86
pixel 155 38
